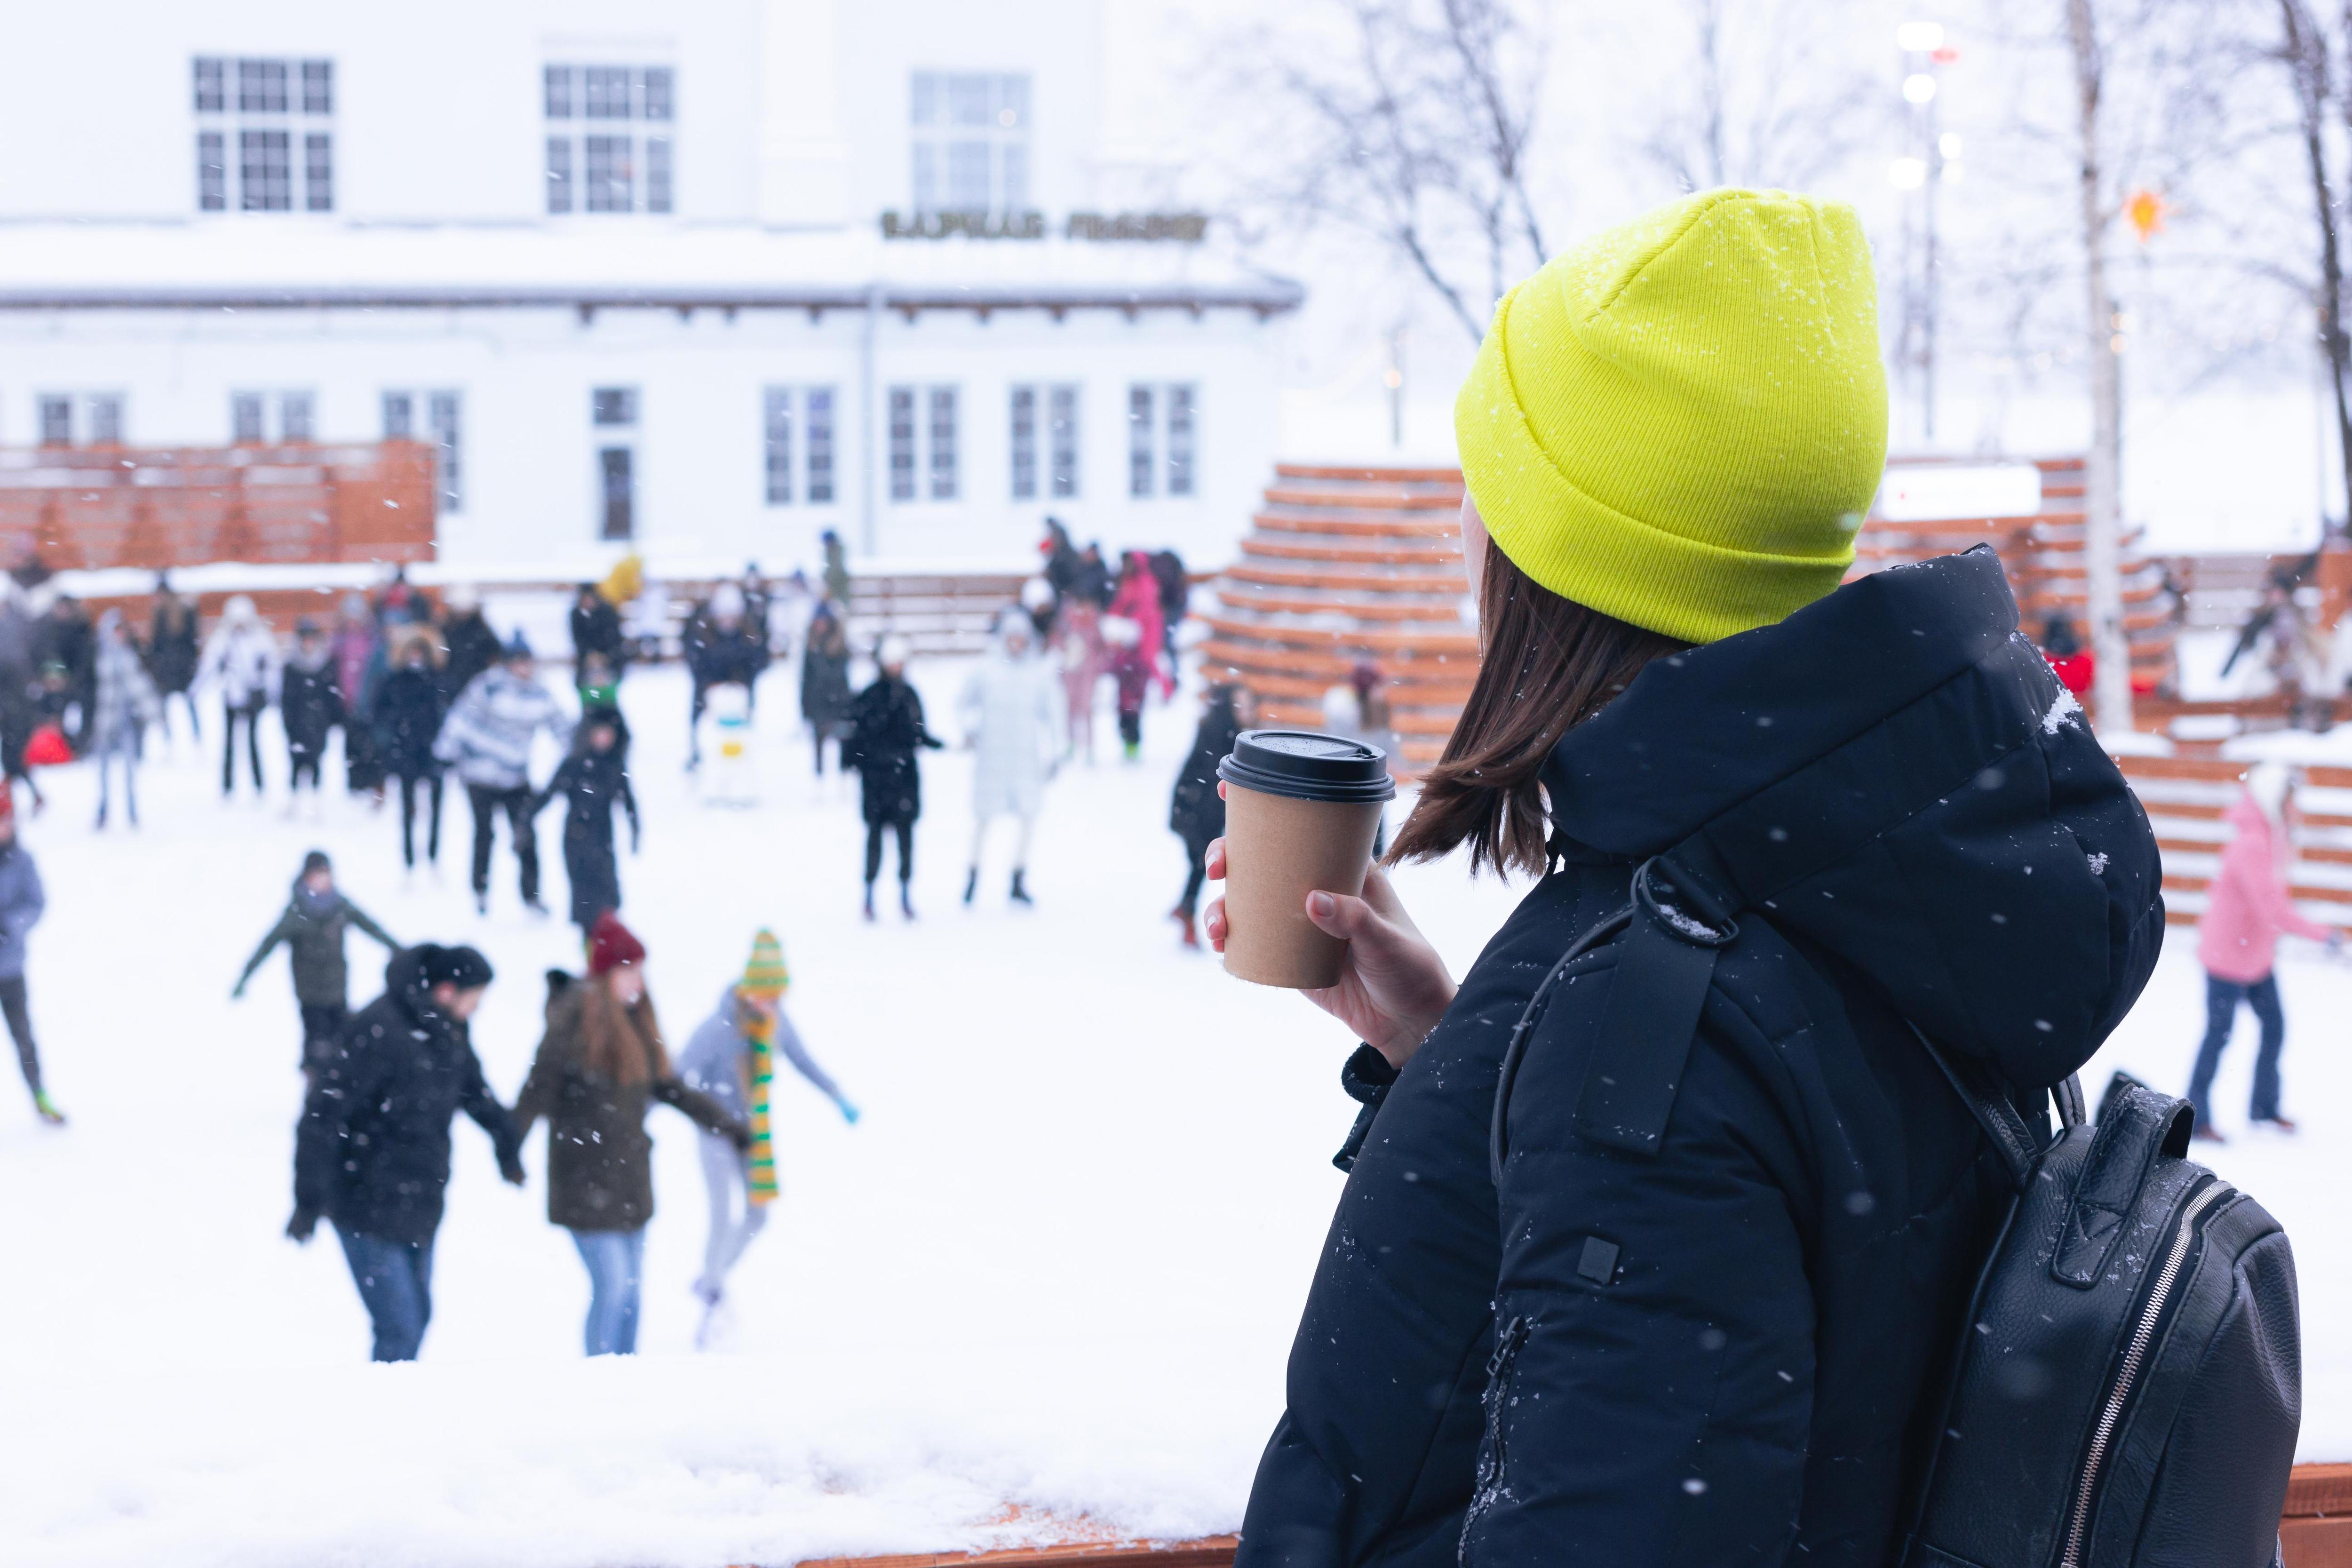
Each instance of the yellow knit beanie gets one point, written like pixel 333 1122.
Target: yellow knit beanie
pixel 1680 423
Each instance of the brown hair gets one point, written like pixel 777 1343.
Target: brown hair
pixel 1548 664
pixel 622 1044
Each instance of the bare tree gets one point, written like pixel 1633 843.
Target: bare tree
pixel 2304 49
pixel 1764 95
pixel 2102 498
pixel 1408 121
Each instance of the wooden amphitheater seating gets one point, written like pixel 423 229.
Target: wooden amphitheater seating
pixel 2184 798
pixel 937 613
pixel 153 508
pixel 2043 552
pixel 1345 564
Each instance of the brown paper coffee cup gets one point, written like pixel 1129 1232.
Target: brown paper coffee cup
pixel 1277 850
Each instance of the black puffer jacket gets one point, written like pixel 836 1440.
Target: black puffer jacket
pixel 888 728
pixel 373 1152
pixel 1721 1351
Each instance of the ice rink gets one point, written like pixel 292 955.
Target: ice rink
pixel 1056 1265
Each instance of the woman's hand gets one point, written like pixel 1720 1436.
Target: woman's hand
pixel 1393 988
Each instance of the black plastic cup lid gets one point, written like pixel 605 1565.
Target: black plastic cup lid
pixel 1308 766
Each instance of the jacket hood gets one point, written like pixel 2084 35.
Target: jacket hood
pixel 1895 774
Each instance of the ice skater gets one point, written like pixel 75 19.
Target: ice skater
pixel 887 731
pixel 1009 721
pixel 1197 811
pixel 22 903
pixel 312 926
pixel 721 649
pixel 2249 907
pixel 825 679
pixel 125 706
pixel 309 706
pixel 409 709
pixel 241 663
pixel 372 1157
pixel 593 779
pixel 487 738
pixel 600 1068
pixel 172 651
pixel 731 1058
pixel 1135 632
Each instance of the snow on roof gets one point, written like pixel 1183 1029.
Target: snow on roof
pixel 263 263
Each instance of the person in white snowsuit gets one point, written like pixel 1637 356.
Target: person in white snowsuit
pixel 486 739
pixel 1011 713
pixel 126 705
pixel 241 660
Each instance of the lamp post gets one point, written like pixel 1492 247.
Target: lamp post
pixel 1931 158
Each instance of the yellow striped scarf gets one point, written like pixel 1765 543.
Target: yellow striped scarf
pixel 760 1158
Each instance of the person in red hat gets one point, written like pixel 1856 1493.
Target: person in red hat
pixel 600 1068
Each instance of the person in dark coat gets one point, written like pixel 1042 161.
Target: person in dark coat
pixel 1675 1278
pixel 22 901
pixel 1197 811
pixel 824 678
pixel 309 704
pixel 1175 598
pixel 596 629
pixel 721 649
pixel 172 651
pixel 885 730
pixel 600 1065
pixel 409 708
pixel 317 914
pixel 372 1157
pixel 1091 581
pixel 1062 561
pixel 66 637
pixel 472 646
pixel 593 779
pixel 758 612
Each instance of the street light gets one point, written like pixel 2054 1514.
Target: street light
pixel 1931 159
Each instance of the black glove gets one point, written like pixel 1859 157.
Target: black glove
pixel 738 1134
pixel 300 1226
pixel 510 1165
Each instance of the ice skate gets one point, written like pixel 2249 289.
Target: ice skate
pixel 1190 939
pixel 971 882
pixel 1020 894
pixel 2277 1126
pixel 906 901
pixel 482 903
pixel 869 903
pixel 47 1110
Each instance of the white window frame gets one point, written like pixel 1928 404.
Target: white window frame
pixel 800 438
pixel 1163 440
pixel 263 122
pixel 923 431
pixel 969 142
pixel 625 115
pixel 1043 424
pixel 436 417
pixel 279 416
pixel 79 418
pixel 614 416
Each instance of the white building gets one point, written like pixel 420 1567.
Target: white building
pixel 633 268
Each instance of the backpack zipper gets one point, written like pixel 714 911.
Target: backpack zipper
pixel 2078 1524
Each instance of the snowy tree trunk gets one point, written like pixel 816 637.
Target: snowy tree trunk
pixel 2103 510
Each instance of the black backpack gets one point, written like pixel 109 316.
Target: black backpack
pixel 2128 1388
pixel 2127 1391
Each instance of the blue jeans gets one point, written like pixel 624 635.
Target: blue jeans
pixel 396 1281
pixel 2221 999
pixel 615 1261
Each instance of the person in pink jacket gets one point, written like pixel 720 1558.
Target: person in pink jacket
pixel 2249 907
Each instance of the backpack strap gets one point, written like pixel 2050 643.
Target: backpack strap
pixel 1666 962
pixel 2013 1136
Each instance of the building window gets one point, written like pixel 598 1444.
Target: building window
pixel 265 111
pixel 902 443
pixel 443 427
pixel 614 412
pixel 943 442
pixel 1055 408
pixel 1024 443
pixel 1162 440
pixel 1139 435
pixel 57 421
pixel 249 418
pixel 970 142
pixel 798 421
pixel 610 131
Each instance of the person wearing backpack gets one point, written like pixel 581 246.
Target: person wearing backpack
pixel 1673 1274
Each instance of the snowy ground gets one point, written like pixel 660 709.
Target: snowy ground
pixel 1057 1265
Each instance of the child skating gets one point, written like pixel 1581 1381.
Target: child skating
pixel 317 914
pixel 731 1059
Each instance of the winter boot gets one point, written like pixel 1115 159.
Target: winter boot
pixel 870 902
pixel 1132 750
pixel 972 886
pixel 906 901
pixel 482 903
pixel 48 1112
pixel 1183 917
pixel 1020 893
